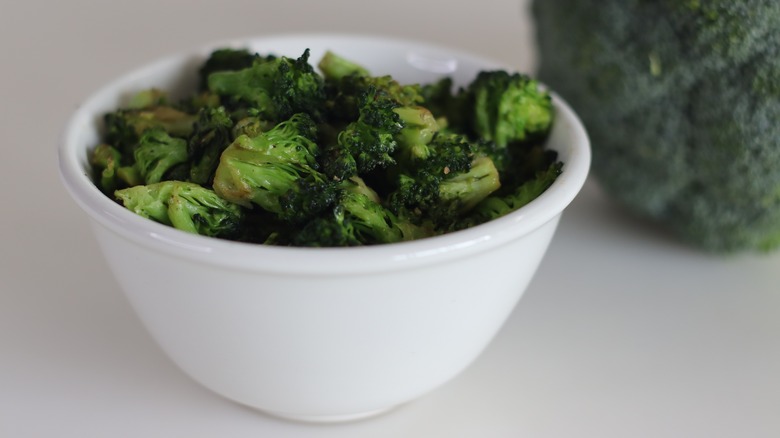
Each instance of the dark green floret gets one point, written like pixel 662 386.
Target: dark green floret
pixel 185 206
pixel 682 109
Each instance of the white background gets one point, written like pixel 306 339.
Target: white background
pixel 623 333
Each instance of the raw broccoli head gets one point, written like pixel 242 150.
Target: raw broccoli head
pixel 682 109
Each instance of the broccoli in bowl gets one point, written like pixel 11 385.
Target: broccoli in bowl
pixel 271 150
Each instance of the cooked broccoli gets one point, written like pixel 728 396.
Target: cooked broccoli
pixel 277 88
pixel 334 67
pixel 227 59
pixel 682 109
pixel 185 206
pixel 157 153
pixel 212 133
pixel 105 160
pixel 125 126
pixel 496 106
pixel 495 206
pixel 277 170
pixel 358 218
pixel 370 140
pixel 381 108
pixel 449 179
pixel 269 151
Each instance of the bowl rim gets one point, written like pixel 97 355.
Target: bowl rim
pixel 312 261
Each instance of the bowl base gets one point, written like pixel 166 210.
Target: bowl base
pixel 340 418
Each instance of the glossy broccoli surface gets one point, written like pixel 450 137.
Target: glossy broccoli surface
pixel 274 150
pixel 681 100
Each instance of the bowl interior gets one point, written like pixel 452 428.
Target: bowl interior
pixel 407 61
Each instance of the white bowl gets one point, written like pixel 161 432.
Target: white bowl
pixel 322 334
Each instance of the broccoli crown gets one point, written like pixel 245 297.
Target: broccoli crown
pixel 508 107
pixel 358 218
pixel 335 67
pixel 211 135
pixel 276 87
pixel 124 127
pixel 228 59
pixel 157 153
pixel 446 181
pixel 496 106
pixel 497 205
pixel 186 206
pixel 370 140
pixel 681 109
pixel 277 170
pixel 105 160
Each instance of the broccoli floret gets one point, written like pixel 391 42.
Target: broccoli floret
pixel 335 67
pixel 419 128
pixel 495 206
pixel 450 179
pixel 681 110
pixel 125 126
pixel 228 59
pixel 369 140
pixel 185 206
pixel 157 153
pixel 277 170
pixel 358 219
pixel 373 108
pixel 508 108
pixel 276 88
pixel 149 98
pixel 105 160
pixel 211 135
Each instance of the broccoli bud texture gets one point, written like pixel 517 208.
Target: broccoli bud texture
pixel 269 150
pixel 682 109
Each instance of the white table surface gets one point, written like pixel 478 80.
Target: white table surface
pixel 623 332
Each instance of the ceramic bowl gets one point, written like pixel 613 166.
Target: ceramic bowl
pixel 321 334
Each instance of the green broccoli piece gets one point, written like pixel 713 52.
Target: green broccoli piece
pixel 276 88
pixel 227 59
pixel 449 180
pixel 105 160
pixel 124 127
pixel 212 133
pixel 157 153
pixel 495 206
pixel 373 108
pixel 357 219
pixel 681 110
pixel 334 67
pixel 419 128
pixel 185 206
pixel 277 170
pixel 370 139
pixel 508 108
